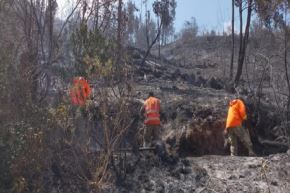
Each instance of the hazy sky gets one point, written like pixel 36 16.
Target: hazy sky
pixel 209 14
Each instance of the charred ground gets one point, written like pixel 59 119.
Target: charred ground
pixel 193 116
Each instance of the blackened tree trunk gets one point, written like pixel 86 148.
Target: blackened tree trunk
pixel 152 43
pixel 159 46
pixel 147 28
pixel 119 41
pixel 285 59
pixel 233 39
pixel 119 30
pixel 243 39
pixel 97 15
pixel 50 7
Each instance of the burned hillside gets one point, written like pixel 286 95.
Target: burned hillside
pixel 190 107
pixel 193 120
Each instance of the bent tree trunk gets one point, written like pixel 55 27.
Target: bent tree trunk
pixel 152 43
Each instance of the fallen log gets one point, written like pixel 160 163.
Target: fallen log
pixel 124 149
pixel 273 143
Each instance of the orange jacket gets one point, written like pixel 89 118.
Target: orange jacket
pixel 85 88
pixel 76 96
pixel 236 114
pixel 152 109
pixel 80 91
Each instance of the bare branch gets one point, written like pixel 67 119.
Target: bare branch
pixel 68 18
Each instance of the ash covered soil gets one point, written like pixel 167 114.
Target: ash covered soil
pixel 193 117
pixel 210 173
pixel 245 174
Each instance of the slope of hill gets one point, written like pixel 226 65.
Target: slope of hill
pixel 193 117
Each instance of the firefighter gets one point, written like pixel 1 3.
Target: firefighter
pixel 151 110
pixel 235 129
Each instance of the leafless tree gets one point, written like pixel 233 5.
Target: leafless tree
pixel 163 10
pixel 233 40
pixel 243 38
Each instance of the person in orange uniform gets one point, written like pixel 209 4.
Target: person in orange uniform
pixel 80 91
pixel 234 128
pixel 151 110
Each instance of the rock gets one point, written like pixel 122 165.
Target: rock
pixel 176 173
pixel 214 83
pixel 157 74
pixel 160 149
pixel 149 186
pixel 201 66
pixel 253 166
pixel 171 138
pixel 136 55
pixel 181 170
pixel 191 78
pixel 186 170
pixel 241 90
pixel 176 74
pixel 200 174
pixel 241 176
pixel 160 187
pixel 274 183
pixel 232 177
pixel 185 162
pixel 288 152
pixel 174 87
pixel 200 81
pixel 229 87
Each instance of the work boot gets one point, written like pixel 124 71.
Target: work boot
pixel 233 154
pixel 233 151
